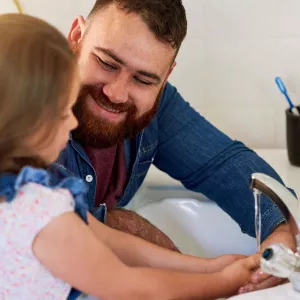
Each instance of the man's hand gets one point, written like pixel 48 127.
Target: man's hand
pixel 259 280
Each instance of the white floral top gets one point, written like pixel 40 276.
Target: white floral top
pixel 30 206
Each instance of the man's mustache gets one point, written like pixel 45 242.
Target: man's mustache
pixel 96 92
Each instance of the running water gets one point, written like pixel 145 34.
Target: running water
pixel 257 194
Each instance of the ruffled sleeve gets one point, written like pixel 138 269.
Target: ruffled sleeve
pixel 54 178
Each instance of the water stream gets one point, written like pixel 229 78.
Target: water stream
pixel 257 195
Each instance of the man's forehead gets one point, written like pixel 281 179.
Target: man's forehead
pixel 138 45
pixel 117 26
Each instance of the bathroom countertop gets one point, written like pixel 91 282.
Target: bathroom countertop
pixel 277 158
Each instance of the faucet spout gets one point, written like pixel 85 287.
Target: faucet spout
pixel 281 197
pixel 278 260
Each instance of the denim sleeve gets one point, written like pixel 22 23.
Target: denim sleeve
pixel 205 160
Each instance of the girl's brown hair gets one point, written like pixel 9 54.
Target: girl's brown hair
pixel 36 68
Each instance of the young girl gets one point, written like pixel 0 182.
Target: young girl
pixel 48 241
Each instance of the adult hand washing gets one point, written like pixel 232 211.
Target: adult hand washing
pixel 279 259
pixel 260 280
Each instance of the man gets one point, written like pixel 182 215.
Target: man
pixel 130 117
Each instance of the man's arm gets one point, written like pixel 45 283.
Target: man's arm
pixel 205 160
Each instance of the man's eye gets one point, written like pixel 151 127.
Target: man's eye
pixel 106 65
pixel 142 81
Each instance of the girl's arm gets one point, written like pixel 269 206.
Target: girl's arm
pixel 137 252
pixel 72 252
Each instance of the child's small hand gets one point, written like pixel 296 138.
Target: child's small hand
pixel 220 262
pixel 239 272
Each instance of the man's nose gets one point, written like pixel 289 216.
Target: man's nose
pixel 117 90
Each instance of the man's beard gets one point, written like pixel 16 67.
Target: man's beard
pixel 98 132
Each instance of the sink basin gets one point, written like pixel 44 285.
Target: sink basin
pixel 280 292
pixel 195 224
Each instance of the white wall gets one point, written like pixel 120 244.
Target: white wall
pixel 227 65
pixel 60 13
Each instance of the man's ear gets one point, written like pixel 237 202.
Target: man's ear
pixel 169 73
pixel 76 32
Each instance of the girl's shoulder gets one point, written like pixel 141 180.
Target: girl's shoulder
pixel 41 183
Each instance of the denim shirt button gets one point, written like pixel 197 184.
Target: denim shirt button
pixel 89 178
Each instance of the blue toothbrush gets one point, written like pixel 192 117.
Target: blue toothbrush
pixel 283 90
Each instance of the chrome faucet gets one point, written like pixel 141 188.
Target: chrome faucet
pixel 278 259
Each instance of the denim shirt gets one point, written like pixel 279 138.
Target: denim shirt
pixel 54 177
pixel 182 143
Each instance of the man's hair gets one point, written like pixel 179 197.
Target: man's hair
pixel 166 19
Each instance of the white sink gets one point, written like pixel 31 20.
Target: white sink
pixel 199 227
pixel 196 225
pixel 281 292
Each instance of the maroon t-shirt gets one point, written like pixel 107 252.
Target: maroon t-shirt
pixel 110 168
